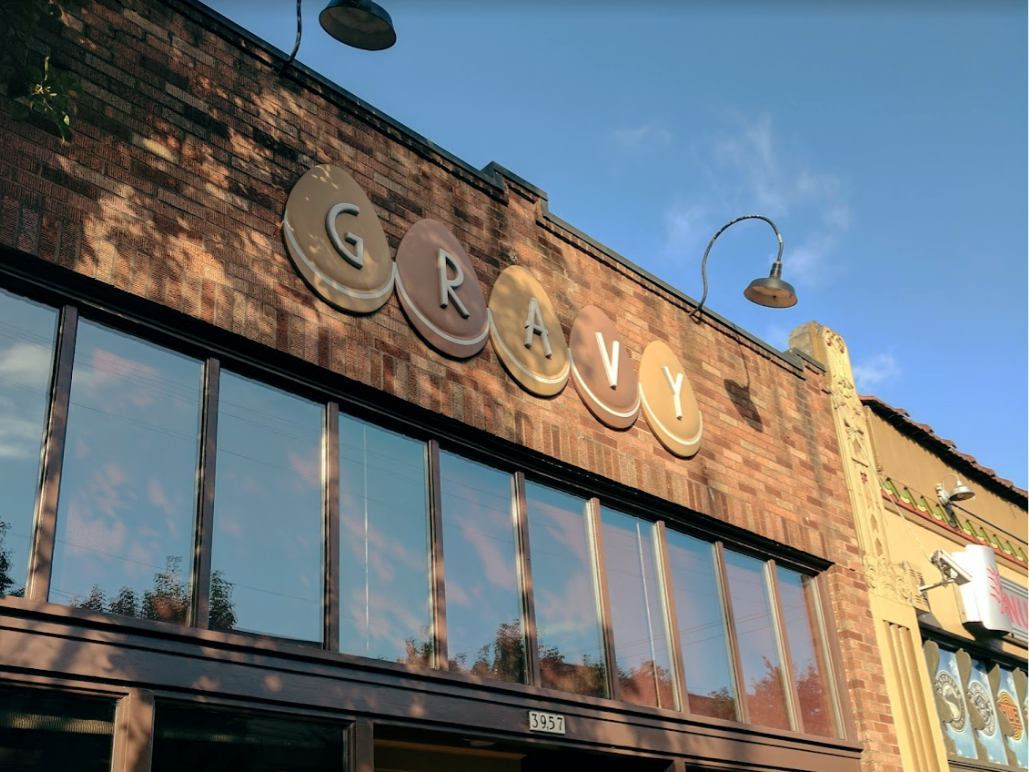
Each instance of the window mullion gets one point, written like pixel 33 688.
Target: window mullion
pixel 331 528
pixel 532 654
pixel 603 598
pixel 671 620
pixel 38 579
pixel 134 732
pixel 439 598
pixel 786 659
pixel 742 708
pixel 205 496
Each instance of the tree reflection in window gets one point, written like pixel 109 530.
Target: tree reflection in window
pixel 484 629
pixel 810 669
pixel 637 611
pixel 702 627
pixel 759 648
pixel 564 585
pixel 128 484
pixel 267 538
pixel 27 333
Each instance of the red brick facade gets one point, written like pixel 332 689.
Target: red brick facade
pixel 186 146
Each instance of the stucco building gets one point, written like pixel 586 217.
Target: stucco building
pixel 943 547
pixel 323 449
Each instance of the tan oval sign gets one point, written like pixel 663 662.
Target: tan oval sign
pixel 602 370
pixel 526 333
pixel 669 402
pixel 336 242
pixel 439 290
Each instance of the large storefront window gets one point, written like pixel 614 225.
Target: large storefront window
pixel 981 707
pixel 55 730
pixel 484 618
pixel 193 495
pixel 703 633
pixel 564 581
pixel 637 610
pixel 763 682
pixel 27 333
pixel 214 741
pixel 807 651
pixel 267 546
pixel 384 548
pixel 128 487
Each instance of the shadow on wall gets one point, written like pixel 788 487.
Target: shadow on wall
pixel 739 395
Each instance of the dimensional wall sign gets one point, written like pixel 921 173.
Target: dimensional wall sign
pixel 439 290
pixel 982 598
pixel 1014 606
pixel 602 370
pixel 527 334
pixel 669 402
pixel 336 242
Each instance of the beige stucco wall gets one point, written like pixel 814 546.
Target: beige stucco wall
pixel 912 538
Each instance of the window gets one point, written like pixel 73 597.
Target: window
pixel 637 610
pixel 764 688
pixel 214 741
pixel 124 541
pixel 799 603
pixel 267 544
pixel 27 334
pixel 384 548
pixel 981 707
pixel 54 730
pixel 484 619
pixel 571 647
pixel 703 630
pixel 190 494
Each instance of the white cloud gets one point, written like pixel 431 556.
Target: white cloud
pixel 875 370
pixel 26 365
pixel 747 171
pixel 642 138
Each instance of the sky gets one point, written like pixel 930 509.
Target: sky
pixel 886 140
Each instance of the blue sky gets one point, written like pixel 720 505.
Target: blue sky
pixel 886 140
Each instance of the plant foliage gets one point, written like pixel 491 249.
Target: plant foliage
pixel 33 85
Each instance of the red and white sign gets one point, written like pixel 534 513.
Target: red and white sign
pixel 981 597
pixel 1014 605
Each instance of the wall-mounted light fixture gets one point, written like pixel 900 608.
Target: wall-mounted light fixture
pixel 960 491
pixel 772 292
pixel 361 24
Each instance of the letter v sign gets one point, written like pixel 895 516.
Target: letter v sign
pixel 610 361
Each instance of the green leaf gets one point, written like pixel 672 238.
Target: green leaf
pixel 19 111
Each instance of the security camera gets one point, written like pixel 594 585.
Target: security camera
pixel 951 571
pixel 950 568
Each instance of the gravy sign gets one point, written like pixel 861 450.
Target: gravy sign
pixel 336 242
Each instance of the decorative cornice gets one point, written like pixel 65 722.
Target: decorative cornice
pixel 947 449
pixel 975 532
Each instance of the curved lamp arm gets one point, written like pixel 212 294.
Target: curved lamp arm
pixel 296 45
pixel 359 23
pixel 784 296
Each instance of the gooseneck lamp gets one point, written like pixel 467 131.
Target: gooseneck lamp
pixel 772 292
pixel 361 24
pixel 960 491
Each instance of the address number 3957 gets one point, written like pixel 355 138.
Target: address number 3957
pixel 550 723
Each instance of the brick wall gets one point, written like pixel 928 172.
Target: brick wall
pixel 186 146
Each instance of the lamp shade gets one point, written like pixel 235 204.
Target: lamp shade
pixel 961 492
pixel 358 23
pixel 772 292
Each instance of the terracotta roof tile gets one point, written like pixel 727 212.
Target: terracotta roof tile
pixel 901 418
